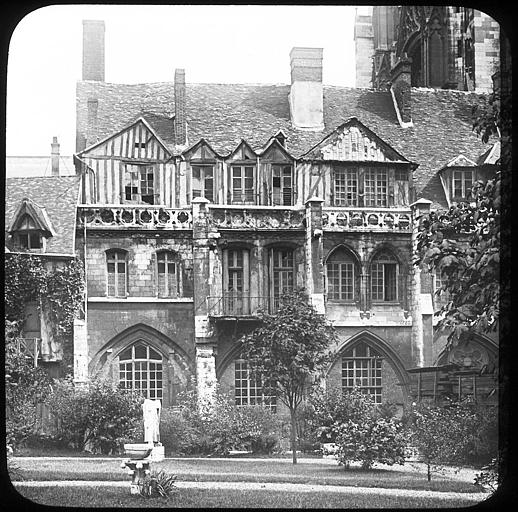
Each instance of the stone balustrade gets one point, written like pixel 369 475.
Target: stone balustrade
pixel 134 216
pixel 256 217
pixel 366 219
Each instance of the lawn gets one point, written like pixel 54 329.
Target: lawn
pixel 219 498
pixel 237 470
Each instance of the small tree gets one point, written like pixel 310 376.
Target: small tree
pixel 289 349
pixel 443 435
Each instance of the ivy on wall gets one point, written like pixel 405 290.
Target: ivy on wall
pixel 58 290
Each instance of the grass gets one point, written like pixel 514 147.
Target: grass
pixel 237 470
pixel 219 498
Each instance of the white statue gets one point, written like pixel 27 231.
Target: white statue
pixel 151 410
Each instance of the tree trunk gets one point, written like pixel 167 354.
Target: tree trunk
pixel 429 473
pixel 293 436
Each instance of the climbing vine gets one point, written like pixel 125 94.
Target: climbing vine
pixel 57 290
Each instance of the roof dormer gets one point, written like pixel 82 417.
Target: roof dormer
pixel 30 227
pixel 458 177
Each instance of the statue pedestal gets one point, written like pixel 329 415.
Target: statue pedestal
pixel 157 453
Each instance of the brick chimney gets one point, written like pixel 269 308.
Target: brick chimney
pixel 54 156
pixel 306 95
pixel 180 121
pixel 93 50
pixel 401 89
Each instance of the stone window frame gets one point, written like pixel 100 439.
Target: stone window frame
pixel 363 372
pixel 384 258
pixel 147 369
pixel 278 274
pixel 249 390
pixel 236 303
pixel 170 258
pixel 120 257
pixel 341 256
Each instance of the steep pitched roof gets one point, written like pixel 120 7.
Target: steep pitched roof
pixel 224 114
pixel 58 196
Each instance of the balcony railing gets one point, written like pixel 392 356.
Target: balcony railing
pixel 134 216
pixel 366 219
pixel 30 347
pixel 240 305
pixel 257 217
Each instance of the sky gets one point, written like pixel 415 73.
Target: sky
pixel 215 44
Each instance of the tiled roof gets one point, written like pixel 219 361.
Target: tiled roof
pixel 58 195
pixel 224 114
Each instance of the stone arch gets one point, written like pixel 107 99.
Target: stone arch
pixel 342 246
pixel 223 363
pixel 381 346
pixel 385 246
pixel 474 339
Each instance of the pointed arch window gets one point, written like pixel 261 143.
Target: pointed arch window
pixel 140 369
pixel 116 266
pixel 249 390
pixel 362 369
pixel 341 276
pixel 384 278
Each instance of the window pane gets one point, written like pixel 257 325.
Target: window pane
pixel 140 352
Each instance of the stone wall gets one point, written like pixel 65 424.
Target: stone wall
pixel 141 262
pixel 487 50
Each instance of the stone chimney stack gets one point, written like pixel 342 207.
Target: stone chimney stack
pixel 306 95
pixel 93 50
pixel 401 89
pixel 180 121
pixel 54 156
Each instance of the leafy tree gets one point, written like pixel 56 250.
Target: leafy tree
pixel 464 244
pixel 287 351
pixel 446 435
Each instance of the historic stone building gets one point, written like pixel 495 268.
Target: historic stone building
pixel 201 203
pixel 442 47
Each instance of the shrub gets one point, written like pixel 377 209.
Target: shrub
pixel 377 440
pixel 25 386
pixel 218 430
pixel 158 484
pixel 100 417
pixel 336 407
pixel 447 434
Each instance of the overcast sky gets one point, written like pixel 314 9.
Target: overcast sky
pixel 216 44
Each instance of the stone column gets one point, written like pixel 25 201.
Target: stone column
pixel 204 342
pixel 314 254
pixel 421 307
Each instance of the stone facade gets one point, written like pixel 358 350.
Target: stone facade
pixel 186 236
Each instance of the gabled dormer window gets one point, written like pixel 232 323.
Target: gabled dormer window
pixel 30 227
